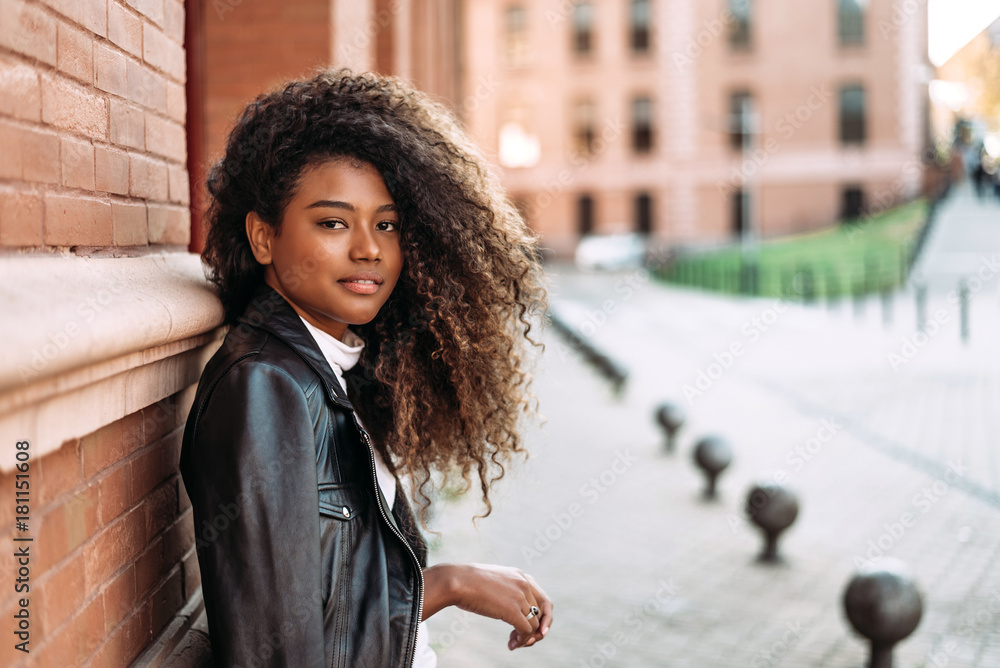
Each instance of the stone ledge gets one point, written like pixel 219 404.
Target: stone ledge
pixel 87 341
pixel 184 643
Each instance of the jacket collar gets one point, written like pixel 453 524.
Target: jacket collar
pixel 270 312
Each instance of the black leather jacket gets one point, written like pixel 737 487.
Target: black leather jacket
pixel 302 562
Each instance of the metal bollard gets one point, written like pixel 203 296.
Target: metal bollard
pixel 712 455
pixel 963 302
pixel 773 508
pixel 883 604
pixel 671 419
pixel 887 307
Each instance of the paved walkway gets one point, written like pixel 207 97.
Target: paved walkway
pixel 647 574
pixel 964 242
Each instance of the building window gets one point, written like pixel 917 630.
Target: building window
pixel 741 212
pixel 852 115
pixel 583 28
pixel 584 132
pixel 851 21
pixel 741 121
pixel 585 215
pixel 853 203
pixel 739 29
pixel 643 213
pixel 639 26
pixel 642 125
pixel 516 37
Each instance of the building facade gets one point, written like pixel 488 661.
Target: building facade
pixel 698 122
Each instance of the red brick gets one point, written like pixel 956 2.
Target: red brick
pixel 150 568
pixel 125 28
pixel 77 164
pixel 116 546
pixel 70 107
pixel 28 30
pixel 178 539
pixel 115 493
pixel 40 156
pixel 161 418
pixel 75 53
pixel 166 138
pixel 52 538
pixel 163 53
pixel 76 221
pixel 169 225
pixel 161 507
pixel 11 147
pixel 179 185
pixel 146 87
pixel 183 500
pixel 128 223
pixel 89 14
pixel 192 573
pixel 73 644
pixel 81 516
pixel 176 102
pixel 59 472
pixel 119 599
pixel 128 125
pixel 148 179
pixel 151 9
pixel 111 443
pixel 20 218
pixel 110 68
pixel 173 20
pixel 125 642
pixel 62 593
pixel 111 171
pixel 154 464
pixel 167 599
pixel 20 91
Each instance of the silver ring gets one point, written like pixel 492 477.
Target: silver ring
pixel 533 612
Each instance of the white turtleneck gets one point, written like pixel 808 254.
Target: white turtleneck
pixel 342 355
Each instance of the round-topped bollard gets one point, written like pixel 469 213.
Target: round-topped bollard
pixel 712 454
pixel 671 419
pixel 883 604
pixel 773 508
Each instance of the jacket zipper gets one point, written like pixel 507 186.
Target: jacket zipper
pixel 392 527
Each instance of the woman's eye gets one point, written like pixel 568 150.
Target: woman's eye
pixel 388 225
pixel 332 224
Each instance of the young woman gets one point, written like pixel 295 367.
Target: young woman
pixel 380 290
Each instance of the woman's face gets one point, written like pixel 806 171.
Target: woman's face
pixel 336 255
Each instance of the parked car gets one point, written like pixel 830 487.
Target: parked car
pixel 610 252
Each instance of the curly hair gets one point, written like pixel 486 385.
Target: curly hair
pixel 441 384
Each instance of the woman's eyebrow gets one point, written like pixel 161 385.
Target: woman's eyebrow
pixel 336 204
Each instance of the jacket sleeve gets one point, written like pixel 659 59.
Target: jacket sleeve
pixel 250 470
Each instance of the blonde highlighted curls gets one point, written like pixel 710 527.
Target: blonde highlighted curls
pixel 442 383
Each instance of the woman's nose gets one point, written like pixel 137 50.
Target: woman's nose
pixel 364 246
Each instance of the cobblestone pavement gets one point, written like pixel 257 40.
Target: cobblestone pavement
pixel 645 573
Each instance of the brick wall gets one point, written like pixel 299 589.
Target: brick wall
pixel 113 558
pixel 92 112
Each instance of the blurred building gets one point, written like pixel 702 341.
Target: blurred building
pixel 697 122
pixel 967 90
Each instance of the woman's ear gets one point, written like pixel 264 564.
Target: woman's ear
pixel 260 234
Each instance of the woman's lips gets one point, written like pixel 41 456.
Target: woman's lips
pixel 365 283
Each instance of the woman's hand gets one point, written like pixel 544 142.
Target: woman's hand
pixel 500 592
